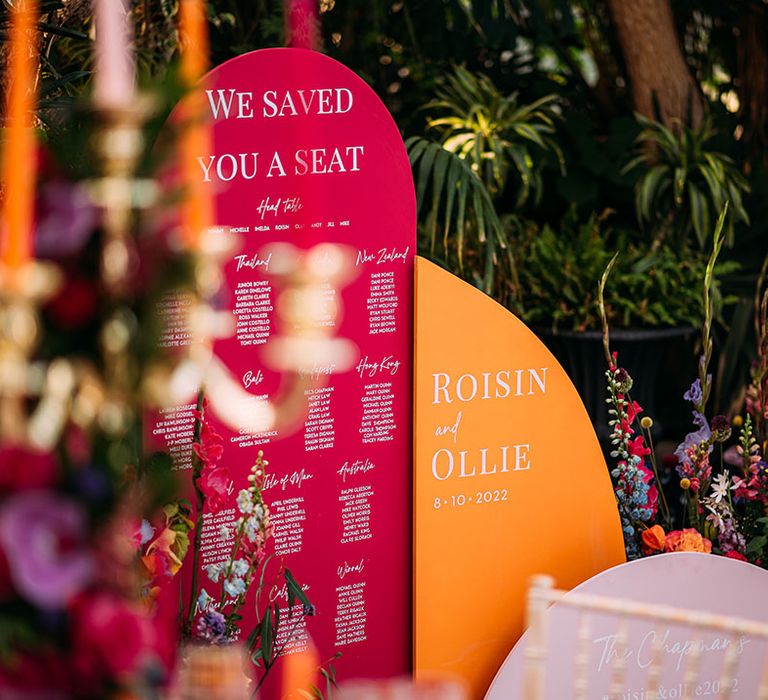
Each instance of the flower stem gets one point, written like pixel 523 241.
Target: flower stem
pixel 200 506
pixel 709 312
pixel 268 664
pixel 659 485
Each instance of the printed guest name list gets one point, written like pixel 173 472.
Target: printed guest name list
pixel 304 152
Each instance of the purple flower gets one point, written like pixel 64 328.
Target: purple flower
pixel 43 537
pixel 694 438
pixel 694 394
pixel 93 484
pixel 730 539
pixel 732 457
pixel 212 627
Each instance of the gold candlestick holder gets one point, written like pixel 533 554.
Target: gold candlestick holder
pixel 22 291
pixel 119 144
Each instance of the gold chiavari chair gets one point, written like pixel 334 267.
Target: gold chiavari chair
pixel 655 620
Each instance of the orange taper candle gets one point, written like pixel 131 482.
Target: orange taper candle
pixel 19 156
pixel 299 671
pixel 196 141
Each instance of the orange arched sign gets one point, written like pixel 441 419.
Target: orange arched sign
pixel 509 479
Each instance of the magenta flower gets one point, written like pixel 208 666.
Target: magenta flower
pixel 209 448
pixel 214 480
pixel 214 484
pixel 43 538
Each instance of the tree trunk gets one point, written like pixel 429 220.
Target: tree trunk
pixel 752 79
pixel 662 86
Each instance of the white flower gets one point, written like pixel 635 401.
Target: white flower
pixel 240 567
pixel 214 572
pixel 203 600
pixel 224 532
pixel 244 501
pixel 234 586
pixel 251 529
pixel 715 518
pixel 720 487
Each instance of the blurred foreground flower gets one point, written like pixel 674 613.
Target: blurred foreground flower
pixel 43 536
pixel 403 689
pixel 23 469
pixel 66 219
pixel 111 637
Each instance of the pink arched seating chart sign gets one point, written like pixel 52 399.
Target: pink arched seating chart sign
pixel 304 152
pixel 686 580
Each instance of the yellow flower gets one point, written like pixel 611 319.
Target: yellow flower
pixel 737 421
pixel 646 422
pixel 685 484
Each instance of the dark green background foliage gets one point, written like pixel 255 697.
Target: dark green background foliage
pixel 540 94
pixel 646 286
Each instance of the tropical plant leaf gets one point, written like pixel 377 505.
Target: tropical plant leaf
pixel 699 179
pixel 266 636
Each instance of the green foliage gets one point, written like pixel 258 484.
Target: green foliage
pixel 330 684
pixel 758 544
pixel 495 134
pixel 262 642
pixel 649 288
pixel 710 308
pixel 455 201
pixel 489 145
pixel 686 183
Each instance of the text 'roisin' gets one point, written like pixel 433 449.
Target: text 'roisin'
pixel 503 384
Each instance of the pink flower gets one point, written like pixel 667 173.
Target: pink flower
pixel 210 448
pixel 633 411
pixel 733 554
pixel 6 583
pixel 637 447
pixel 732 456
pixel 110 637
pixel 214 483
pixel 78 445
pixel 213 480
pixel 41 673
pixel 209 454
pixel 44 536
pixel 66 219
